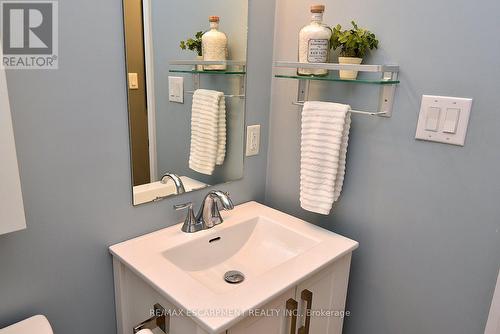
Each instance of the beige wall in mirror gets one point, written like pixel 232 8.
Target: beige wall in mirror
pixel 186 75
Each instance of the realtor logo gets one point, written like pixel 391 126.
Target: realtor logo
pixel 29 34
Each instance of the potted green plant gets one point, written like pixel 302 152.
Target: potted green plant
pixel 194 44
pixel 353 45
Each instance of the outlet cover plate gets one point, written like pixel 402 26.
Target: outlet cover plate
pixel 253 140
pixel 176 89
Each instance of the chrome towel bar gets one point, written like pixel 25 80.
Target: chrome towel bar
pixel 369 113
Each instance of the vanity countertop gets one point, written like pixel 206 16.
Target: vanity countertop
pixel 274 251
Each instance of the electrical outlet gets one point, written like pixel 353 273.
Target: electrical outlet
pixel 253 140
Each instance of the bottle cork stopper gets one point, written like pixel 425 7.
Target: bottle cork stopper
pixel 317 8
pixel 213 18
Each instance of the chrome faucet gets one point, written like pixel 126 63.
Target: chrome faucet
pixel 209 214
pixel 179 186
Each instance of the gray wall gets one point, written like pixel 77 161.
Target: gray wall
pixel 173 120
pixel 72 139
pixel 426 215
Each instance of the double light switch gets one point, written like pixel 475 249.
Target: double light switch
pixel 444 119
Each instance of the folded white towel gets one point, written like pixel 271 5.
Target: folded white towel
pixel 208 131
pixel 325 136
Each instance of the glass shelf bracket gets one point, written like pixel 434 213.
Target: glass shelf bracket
pixel 388 81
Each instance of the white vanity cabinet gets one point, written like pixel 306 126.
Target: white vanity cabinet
pixel 275 320
pixel 326 292
pixel 295 276
pixel 329 292
pixel 328 288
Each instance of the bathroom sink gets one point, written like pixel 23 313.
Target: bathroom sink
pixel 252 247
pixel 149 192
pixel 271 249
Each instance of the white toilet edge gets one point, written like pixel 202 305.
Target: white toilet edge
pixel 36 324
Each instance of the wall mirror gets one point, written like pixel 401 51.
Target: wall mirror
pixel 186 75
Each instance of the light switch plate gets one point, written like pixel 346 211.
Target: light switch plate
pixel 133 81
pixel 253 140
pixel 176 89
pixel 444 119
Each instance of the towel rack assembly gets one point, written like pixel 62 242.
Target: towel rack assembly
pixel 388 82
pixel 236 68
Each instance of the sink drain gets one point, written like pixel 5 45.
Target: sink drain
pixel 234 277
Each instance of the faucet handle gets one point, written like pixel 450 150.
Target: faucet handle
pixel 179 207
pixel 190 224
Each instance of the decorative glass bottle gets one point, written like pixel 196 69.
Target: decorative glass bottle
pixel 314 43
pixel 214 45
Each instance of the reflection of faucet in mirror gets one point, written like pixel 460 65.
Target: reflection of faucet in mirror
pixel 179 186
pixel 209 214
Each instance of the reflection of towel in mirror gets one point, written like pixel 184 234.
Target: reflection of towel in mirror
pixel 208 131
pixel 325 135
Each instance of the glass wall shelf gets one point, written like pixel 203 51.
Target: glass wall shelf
pixel 338 67
pixel 208 72
pixel 208 62
pixel 387 80
pixel 335 78
pixel 236 68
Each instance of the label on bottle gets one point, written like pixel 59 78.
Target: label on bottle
pixel 317 17
pixel 318 51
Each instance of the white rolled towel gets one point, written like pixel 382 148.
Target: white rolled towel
pixel 325 135
pixel 208 131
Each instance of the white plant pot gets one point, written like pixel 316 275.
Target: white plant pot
pixel 349 75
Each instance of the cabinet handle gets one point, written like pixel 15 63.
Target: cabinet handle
pixel 292 306
pixel 306 296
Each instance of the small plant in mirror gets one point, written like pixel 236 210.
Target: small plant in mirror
pixel 193 44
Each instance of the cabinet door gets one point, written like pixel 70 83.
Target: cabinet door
pixel 270 319
pixel 327 292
